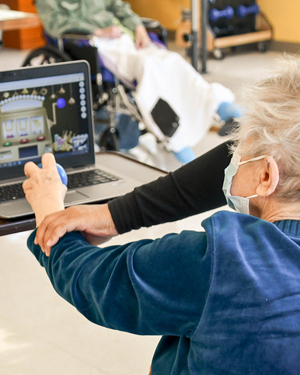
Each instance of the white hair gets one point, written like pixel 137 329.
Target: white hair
pixel 270 124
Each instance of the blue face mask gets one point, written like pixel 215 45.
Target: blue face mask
pixel 239 204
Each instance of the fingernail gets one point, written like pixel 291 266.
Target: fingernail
pixel 49 243
pixel 35 241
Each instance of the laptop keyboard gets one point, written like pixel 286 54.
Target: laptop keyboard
pixel 88 178
pixel 75 180
pixel 11 192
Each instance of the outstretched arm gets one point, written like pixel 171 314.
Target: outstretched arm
pixel 145 287
pixel 192 189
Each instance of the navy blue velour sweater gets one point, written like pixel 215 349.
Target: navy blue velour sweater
pixel 226 301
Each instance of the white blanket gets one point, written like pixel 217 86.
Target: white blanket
pixel 163 74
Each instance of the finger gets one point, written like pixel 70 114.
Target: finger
pixel 53 234
pixel 45 248
pixel 52 229
pixel 57 231
pixel 26 185
pixel 40 234
pixel 50 233
pixel 48 162
pixel 27 188
pixel 30 168
pixel 137 44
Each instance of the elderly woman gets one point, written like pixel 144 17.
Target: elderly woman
pixel 226 301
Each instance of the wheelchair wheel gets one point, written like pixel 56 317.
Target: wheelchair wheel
pixel 45 55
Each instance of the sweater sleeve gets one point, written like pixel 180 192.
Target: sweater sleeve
pixel 56 20
pixel 190 190
pixel 145 287
pixel 122 11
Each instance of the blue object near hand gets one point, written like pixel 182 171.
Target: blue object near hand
pixel 62 173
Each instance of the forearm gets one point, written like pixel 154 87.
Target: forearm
pixel 117 286
pixel 192 189
pixel 65 267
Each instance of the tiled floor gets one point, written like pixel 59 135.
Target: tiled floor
pixel 41 334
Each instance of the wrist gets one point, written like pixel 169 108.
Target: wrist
pixel 44 210
pixel 46 206
pixel 110 225
pixel 140 28
pixel 98 33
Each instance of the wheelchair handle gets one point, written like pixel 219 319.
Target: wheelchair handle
pixel 150 23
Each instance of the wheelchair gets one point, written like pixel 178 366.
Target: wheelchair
pixel 114 107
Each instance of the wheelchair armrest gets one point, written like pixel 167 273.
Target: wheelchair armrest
pixel 153 25
pixel 150 23
pixel 77 34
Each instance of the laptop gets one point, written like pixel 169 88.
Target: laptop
pixel 49 109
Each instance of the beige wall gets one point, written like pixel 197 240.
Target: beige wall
pixel 167 12
pixel 284 15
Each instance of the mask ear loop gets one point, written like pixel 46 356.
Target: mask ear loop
pixel 254 159
pixel 247 161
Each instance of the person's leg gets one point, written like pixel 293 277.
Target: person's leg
pixel 185 155
pixel 228 112
pixel 166 75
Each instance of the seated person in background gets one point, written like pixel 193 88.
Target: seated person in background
pixel 127 51
pixel 225 300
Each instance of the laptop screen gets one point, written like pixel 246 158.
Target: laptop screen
pixel 45 109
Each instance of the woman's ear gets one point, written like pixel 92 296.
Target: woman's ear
pixel 269 177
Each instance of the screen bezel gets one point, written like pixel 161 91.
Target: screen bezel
pixel 81 66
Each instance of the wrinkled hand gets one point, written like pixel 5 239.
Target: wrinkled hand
pixel 142 39
pixel 93 221
pixel 112 32
pixel 43 188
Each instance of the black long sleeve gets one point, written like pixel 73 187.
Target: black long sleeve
pixel 190 190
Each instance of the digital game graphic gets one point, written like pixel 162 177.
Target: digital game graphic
pixel 35 120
